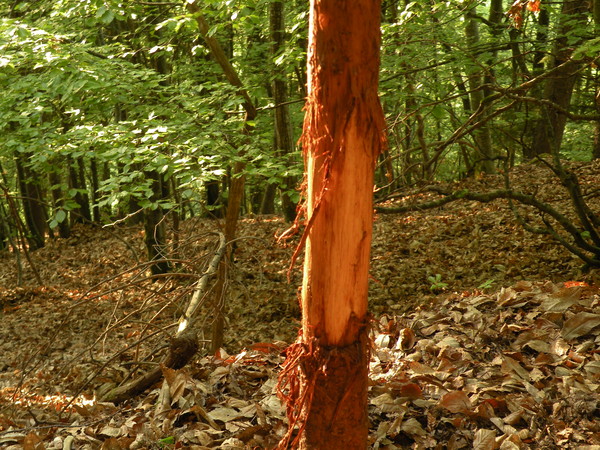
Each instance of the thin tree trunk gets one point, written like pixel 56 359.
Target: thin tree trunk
pixel 461 86
pixel 284 137
pixel 342 139
pixel 482 136
pixel 237 180
pixel 81 214
pixel 596 149
pixel 267 205
pixel 83 196
pixel 155 235
pixel 95 181
pixel 419 132
pixel 64 229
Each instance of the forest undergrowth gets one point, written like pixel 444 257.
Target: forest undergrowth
pixel 484 335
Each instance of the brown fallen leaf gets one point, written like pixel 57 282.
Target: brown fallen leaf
pixel 411 390
pixel 485 440
pixel 579 325
pixel 112 444
pixel 456 402
pixel 406 339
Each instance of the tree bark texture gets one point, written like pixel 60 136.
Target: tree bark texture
pixel 596 149
pixel 558 89
pixel 326 371
pixel 342 138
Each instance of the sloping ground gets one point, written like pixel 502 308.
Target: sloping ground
pixel 467 244
pixel 477 340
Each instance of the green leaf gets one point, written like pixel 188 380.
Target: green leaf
pixel 438 111
pixel 166 441
pixel 60 216
pixel 105 15
pixel 590 48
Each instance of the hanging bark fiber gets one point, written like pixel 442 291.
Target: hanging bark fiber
pixel 324 381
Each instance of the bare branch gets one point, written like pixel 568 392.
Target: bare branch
pixel 524 199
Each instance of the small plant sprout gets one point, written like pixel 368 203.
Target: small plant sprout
pixel 436 283
pixel 486 284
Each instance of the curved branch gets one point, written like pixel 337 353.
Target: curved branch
pixel 525 199
pixel 219 55
pixel 184 344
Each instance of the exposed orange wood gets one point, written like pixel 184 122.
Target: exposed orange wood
pixel 324 381
pixel 342 138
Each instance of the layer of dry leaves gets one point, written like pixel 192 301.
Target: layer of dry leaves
pixel 484 336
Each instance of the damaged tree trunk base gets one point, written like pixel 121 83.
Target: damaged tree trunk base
pixel 182 349
pixel 322 387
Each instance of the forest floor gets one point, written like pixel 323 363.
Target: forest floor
pixel 484 335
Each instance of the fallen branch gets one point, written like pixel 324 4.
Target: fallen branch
pixel 184 344
pixel 186 319
pixel 578 248
pixel 183 347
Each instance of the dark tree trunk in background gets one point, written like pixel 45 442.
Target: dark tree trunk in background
pixel 155 235
pixel 95 182
pixel 533 111
pixel 81 214
pixel 131 209
pixel 213 199
pixel 415 129
pixel 389 11
pixel 64 228
pixel 343 136
pixel 36 216
pixel 84 196
pixel 155 231
pixel 4 228
pixel 267 204
pixel 284 139
pixel 558 89
pixel 541 41
pixel 484 153
pixel 596 149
